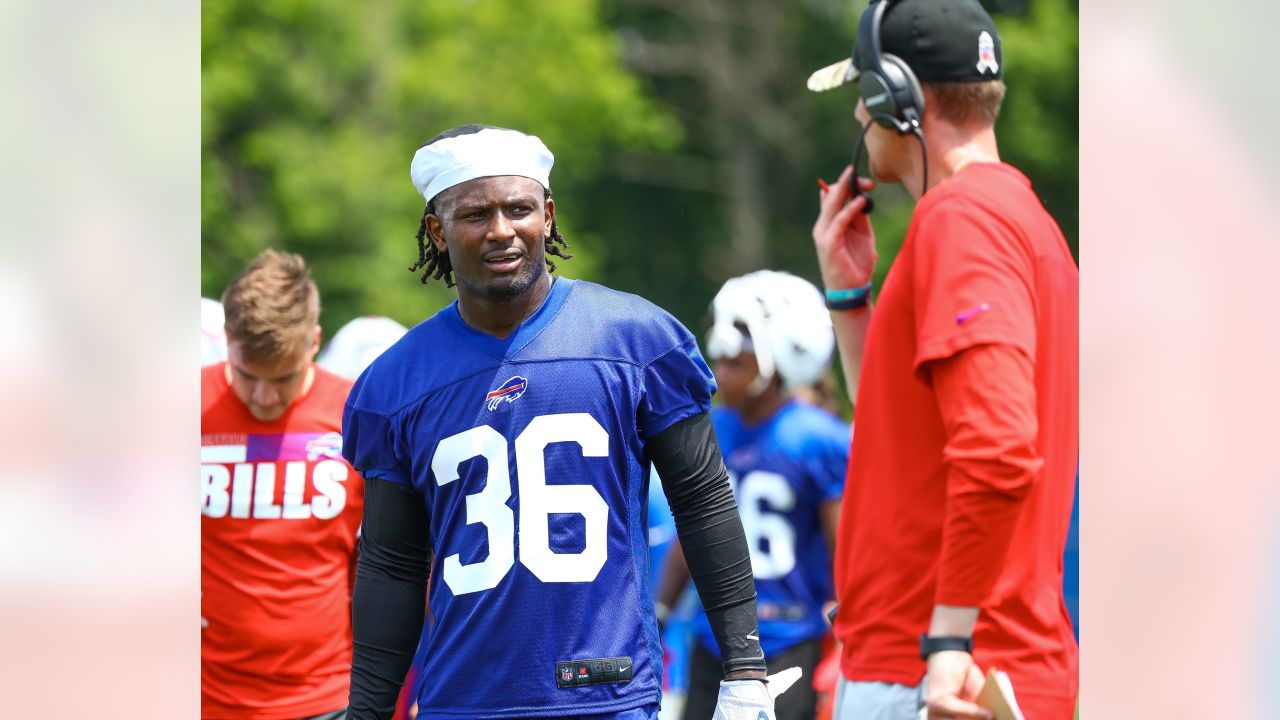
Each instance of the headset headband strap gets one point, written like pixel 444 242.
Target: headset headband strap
pixel 877 17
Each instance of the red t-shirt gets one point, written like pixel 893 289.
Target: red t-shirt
pixel 982 264
pixel 280 510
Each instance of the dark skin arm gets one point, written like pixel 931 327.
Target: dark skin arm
pixel 829 517
pixel 674 577
pixel 675 571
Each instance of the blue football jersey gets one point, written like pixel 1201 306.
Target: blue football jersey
pixel 782 471
pixel 529 453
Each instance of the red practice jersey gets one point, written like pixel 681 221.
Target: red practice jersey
pixel 982 264
pixel 280 512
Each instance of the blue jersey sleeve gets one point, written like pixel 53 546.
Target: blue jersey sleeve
pixel 677 386
pixel 828 461
pixel 369 441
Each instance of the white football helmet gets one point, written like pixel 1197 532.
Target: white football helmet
pixel 213 332
pixel 358 344
pixel 787 322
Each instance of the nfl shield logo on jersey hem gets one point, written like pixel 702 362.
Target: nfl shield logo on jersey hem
pixel 509 391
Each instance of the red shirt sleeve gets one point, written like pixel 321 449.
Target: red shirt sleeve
pixel 973 280
pixel 987 399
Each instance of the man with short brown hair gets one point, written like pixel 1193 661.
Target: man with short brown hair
pixel 280 508
pixel 273 299
pixel 961 475
pixel 975 103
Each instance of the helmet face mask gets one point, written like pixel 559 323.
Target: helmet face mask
pixel 787 327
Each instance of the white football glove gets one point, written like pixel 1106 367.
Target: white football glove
pixel 752 699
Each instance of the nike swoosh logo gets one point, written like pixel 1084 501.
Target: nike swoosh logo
pixel 967 315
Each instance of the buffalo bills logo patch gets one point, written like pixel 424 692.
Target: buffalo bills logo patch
pixel 328 445
pixel 509 391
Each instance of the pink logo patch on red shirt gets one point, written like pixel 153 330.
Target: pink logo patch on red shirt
pixel 965 316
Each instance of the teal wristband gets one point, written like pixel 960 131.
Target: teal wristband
pixel 848 299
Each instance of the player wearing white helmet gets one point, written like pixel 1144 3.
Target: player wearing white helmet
pixel 781 320
pixel 770 335
pixel 359 343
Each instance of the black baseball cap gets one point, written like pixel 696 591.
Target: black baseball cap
pixel 940 40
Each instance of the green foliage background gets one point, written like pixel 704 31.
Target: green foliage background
pixel 686 144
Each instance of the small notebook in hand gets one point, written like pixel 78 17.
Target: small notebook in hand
pixel 997 696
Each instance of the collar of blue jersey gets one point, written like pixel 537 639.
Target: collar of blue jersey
pixel 503 348
pixel 750 432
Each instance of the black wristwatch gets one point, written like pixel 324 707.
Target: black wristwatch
pixel 931 645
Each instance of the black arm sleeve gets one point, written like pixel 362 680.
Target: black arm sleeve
pixel 389 601
pixel 687 457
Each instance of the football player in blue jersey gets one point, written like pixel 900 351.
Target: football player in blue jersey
pixel 770 335
pixel 506 442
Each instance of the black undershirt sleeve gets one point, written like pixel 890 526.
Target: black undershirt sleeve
pixel 688 460
pixel 389 601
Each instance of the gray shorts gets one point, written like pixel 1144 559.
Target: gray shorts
pixel 877 701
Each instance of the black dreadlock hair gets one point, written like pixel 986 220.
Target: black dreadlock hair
pixel 437 264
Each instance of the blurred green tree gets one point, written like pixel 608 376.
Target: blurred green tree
pixel 312 111
pixel 734 72
pixel 687 145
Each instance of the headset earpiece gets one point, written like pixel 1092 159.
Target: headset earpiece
pixel 888 88
pixel 878 98
pixel 908 98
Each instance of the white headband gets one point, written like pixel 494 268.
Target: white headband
pixel 452 161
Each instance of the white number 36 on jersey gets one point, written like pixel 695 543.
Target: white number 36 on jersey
pixel 538 501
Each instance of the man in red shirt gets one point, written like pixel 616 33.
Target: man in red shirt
pixel 949 553
pixel 280 508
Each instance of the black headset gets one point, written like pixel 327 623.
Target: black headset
pixel 888 87
pixel 889 90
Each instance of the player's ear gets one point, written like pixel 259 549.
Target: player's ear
pixel 435 232
pixel 315 342
pixel 550 217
